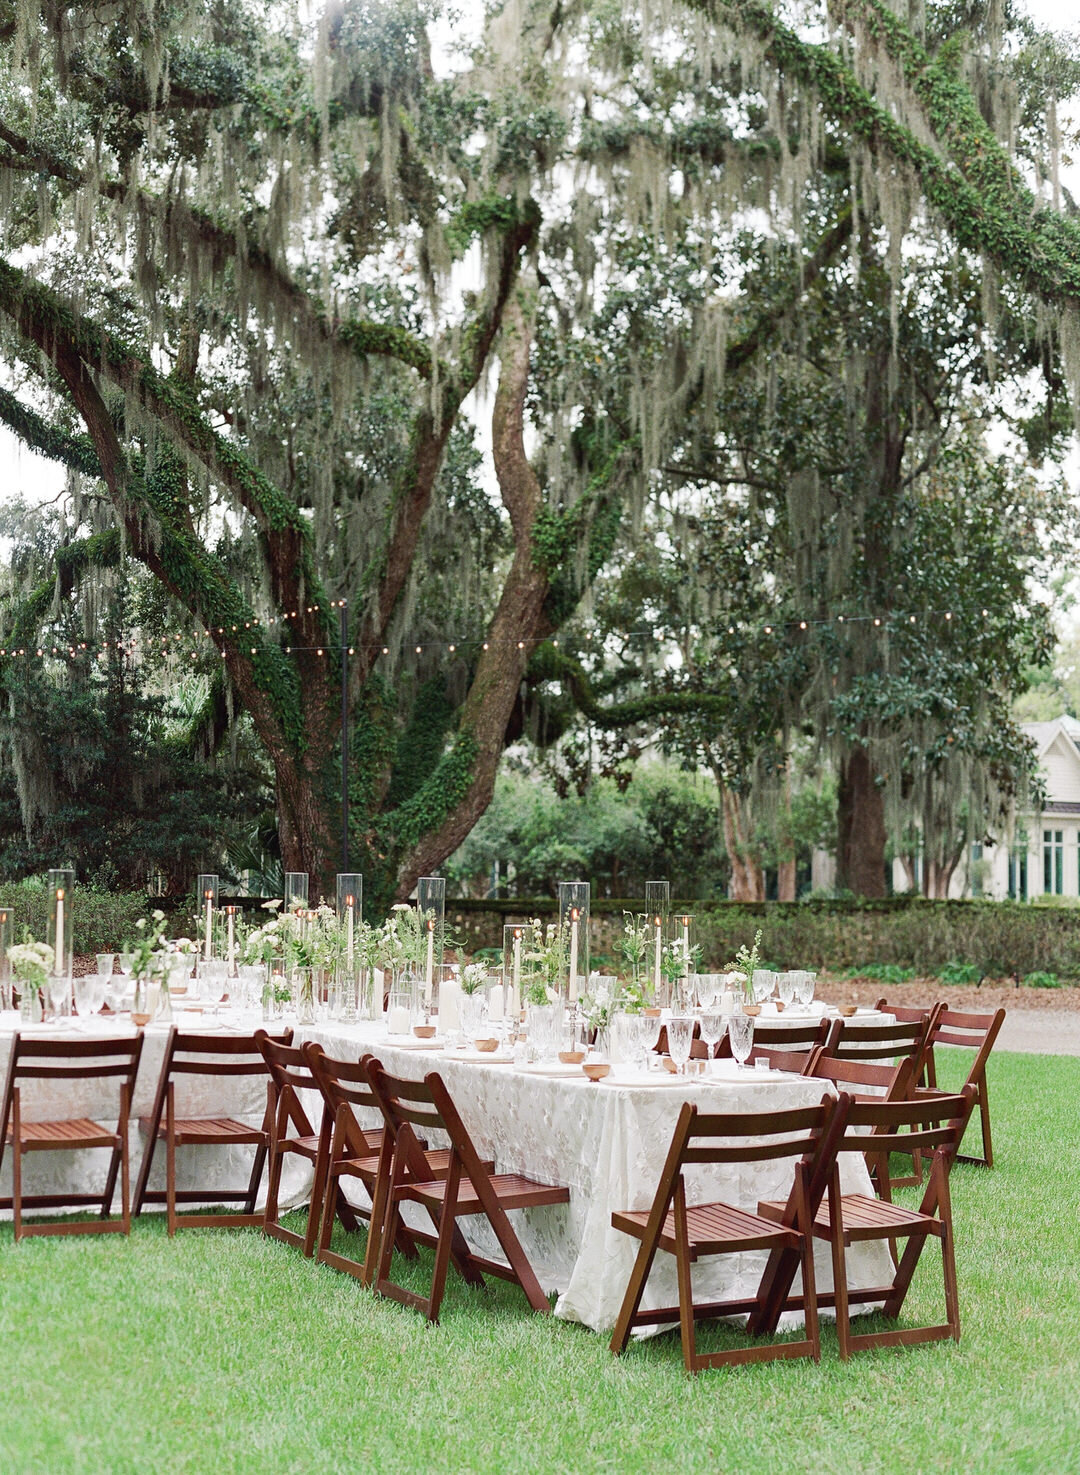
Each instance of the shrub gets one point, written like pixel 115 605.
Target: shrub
pixel 962 973
pixel 100 920
pixel 1042 980
pixel 883 973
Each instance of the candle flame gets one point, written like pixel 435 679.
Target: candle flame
pixel 431 924
pixel 349 902
pixel 60 893
pixel 657 921
pixel 208 895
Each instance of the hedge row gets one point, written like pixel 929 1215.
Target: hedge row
pixel 998 937
pixel 101 919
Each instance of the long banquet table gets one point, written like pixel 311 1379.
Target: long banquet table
pixel 605 1142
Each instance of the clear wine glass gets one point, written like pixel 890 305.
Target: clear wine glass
pixel 105 965
pixel 57 993
pixel 712 1027
pixel 804 988
pixel 763 983
pixel 84 993
pixel 97 992
pixel 680 1034
pixel 741 1034
pixel 785 987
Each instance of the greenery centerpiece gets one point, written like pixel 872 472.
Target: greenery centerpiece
pixel 633 947
pixel 31 962
pixel 746 963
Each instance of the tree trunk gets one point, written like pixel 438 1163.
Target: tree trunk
pixel 860 850
pixel 786 880
pixel 747 878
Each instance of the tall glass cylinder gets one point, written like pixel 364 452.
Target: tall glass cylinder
pixel 657 907
pixel 207 891
pixel 350 899
pixel 431 904
pixel 231 914
pixel 574 897
pixel 683 943
pixel 296 890
pixel 60 934
pixel 6 999
pixel 517 944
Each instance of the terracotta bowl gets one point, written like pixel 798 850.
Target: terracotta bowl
pixel 571 1057
pixel 424 1031
pixel 670 1065
pixel 847 1011
pixel 652 1013
pixel 486 1047
pixel 780 1006
pixel 596 1070
pixel 752 1009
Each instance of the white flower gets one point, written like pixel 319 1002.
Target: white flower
pixel 271 906
pixel 158 916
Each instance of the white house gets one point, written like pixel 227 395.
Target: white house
pixel 1044 858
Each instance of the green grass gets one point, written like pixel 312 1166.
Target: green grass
pixel 223 1351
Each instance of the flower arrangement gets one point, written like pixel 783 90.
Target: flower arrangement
pixel 149 958
pixel 634 947
pixel 544 964
pixel 473 978
pixel 599 1007
pixel 746 963
pixel 32 962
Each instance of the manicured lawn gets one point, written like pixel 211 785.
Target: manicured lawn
pixel 227 1352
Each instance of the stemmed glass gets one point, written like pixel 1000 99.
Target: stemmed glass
pixel 680 1034
pixel 57 993
pixel 105 965
pixel 785 987
pixel 763 982
pixel 84 994
pixel 712 1028
pixel 741 1034
pixel 804 986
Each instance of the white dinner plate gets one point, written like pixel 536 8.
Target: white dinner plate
pixel 480 1057
pixel 560 1071
pixel 410 1042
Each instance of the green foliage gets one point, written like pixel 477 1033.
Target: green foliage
pixel 1040 979
pixel 885 973
pixel 961 973
pixel 101 920
pixel 663 823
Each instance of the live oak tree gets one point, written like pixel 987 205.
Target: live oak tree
pixel 258 276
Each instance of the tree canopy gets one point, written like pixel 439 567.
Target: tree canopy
pixel 265 280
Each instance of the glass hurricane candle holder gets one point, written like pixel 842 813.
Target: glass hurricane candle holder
pixel 431 904
pixel 657 909
pixel 60 937
pixel 296 890
pixel 206 889
pixel 350 900
pixel 518 942
pixel 574 897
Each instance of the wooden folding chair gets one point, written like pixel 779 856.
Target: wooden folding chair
pixel 795 1062
pixel 905 1015
pixel 45 1061
pixel 803 1037
pixel 936 1125
pixel 215 1057
pixel 469 1189
pixel 363 1153
pixel 867 1080
pixel 905 1039
pixel 810 1134
pixel 976 1032
pixel 290 1073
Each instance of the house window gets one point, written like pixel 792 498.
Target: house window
pixel 1018 868
pixel 1053 862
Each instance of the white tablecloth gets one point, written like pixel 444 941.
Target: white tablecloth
pixel 213 1168
pixel 607 1143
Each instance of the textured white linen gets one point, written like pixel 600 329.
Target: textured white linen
pixel 607 1143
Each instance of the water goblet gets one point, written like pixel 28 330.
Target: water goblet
pixel 105 964
pixel 712 1028
pixel 115 989
pixel 785 988
pixel 126 961
pixel 804 987
pixel 96 1000
pixel 84 993
pixel 58 994
pixel 741 1035
pixel 763 983
pixel 680 1035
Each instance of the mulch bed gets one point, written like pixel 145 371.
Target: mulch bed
pixel 998 993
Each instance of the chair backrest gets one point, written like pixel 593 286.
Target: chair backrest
pixel 805 1036
pixel 861 1076
pixel 876 1041
pixel 287 1064
pixel 796 1062
pixel 425 1106
pixel 71 1060
pixel 928 1123
pixel 903 1014
pixel 345 1086
pixel 976 1031
pixel 217 1055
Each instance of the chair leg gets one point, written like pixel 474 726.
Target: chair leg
pixel 809 1278
pixel 445 1241
pixel 687 1330
pixel 839 1270
pixel 383 1176
pixel 16 1163
pixel 984 1114
pixel 125 1180
pixel 170 1160
pixel 270 1211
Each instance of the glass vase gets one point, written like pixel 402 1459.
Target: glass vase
pixel 30 1011
pixel 304 990
pixel 142 1009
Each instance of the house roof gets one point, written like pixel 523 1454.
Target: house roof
pixel 1045 733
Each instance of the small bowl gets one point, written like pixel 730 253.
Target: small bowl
pixel 486 1047
pixel 780 1006
pixel 424 1031
pixel 596 1070
pixel 752 1009
pixel 571 1057
pixel 848 1011
pixel 670 1065
pixel 652 1013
